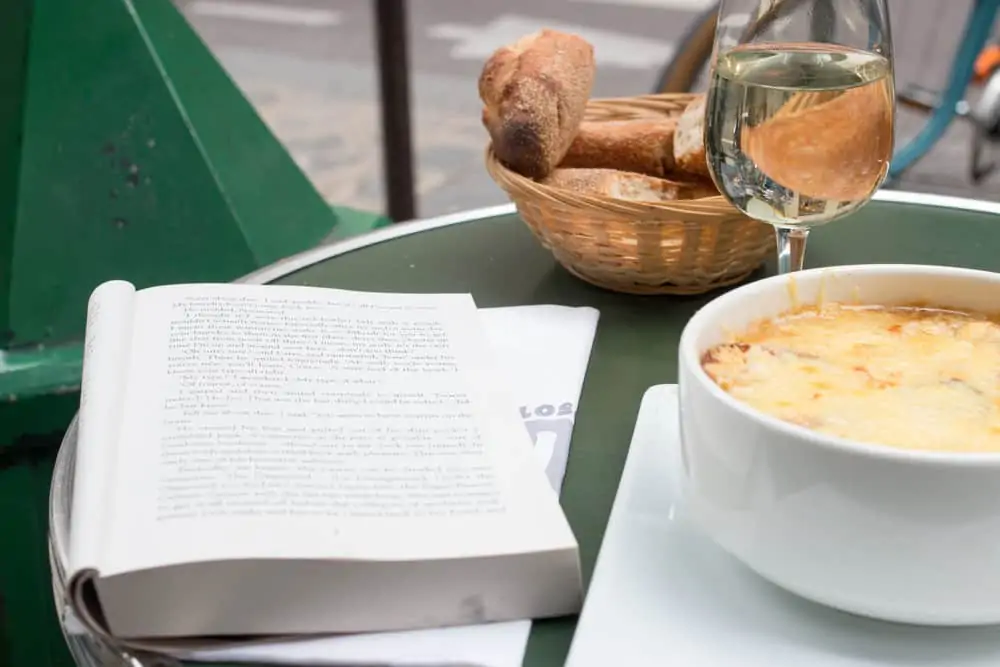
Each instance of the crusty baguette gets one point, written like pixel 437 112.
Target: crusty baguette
pixel 642 146
pixel 689 140
pixel 536 91
pixel 626 185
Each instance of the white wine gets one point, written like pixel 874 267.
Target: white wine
pixel 799 134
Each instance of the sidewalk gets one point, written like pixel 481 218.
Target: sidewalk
pixel 308 66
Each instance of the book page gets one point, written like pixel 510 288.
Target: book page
pixel 289 422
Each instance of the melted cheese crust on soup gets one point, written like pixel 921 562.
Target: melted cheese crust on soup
pixel 913 378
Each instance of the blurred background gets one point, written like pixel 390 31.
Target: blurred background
pixel 309 67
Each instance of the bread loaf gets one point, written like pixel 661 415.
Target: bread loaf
pixel 626 185
pixel 642 146
pixel 535 92
pixel 689 139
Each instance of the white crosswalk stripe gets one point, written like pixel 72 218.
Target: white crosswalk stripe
pixel 688 5
pixel 266 13
pixel 611 48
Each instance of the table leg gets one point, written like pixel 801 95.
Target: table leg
pixel 394 88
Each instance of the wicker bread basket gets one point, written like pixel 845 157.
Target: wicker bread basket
pixel 679 247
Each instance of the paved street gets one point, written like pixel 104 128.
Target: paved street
pixel 309 68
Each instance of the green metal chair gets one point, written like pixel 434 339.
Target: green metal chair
pixel 125 152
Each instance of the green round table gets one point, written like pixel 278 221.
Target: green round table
pixel 491 254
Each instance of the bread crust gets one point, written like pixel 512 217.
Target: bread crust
pixel 642 146
pixel 626 185
pixel 689 139
pixel 535 93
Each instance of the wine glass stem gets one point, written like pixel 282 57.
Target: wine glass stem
pixel 791 248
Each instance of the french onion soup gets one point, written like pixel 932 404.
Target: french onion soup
pixel 908 377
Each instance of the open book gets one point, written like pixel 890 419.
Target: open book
pixel 270 460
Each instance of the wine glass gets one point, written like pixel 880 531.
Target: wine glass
pixel 800 112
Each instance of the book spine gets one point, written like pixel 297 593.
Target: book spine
pixel 105 367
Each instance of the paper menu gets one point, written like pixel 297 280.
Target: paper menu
pixel 544 351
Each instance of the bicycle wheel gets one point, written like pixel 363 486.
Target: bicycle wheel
pixel 691 57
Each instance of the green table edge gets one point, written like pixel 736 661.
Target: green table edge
pixel 305 259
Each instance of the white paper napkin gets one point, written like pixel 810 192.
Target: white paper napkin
pixel 545 351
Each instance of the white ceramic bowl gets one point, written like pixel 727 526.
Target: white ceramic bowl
pixel 908 536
